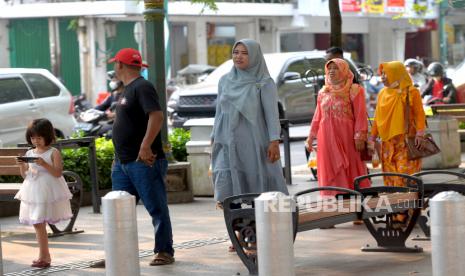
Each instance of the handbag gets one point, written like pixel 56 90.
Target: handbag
pixel 428 148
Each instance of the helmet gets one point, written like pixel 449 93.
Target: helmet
pixel 435 69
pixel 111 74
pixel 414 63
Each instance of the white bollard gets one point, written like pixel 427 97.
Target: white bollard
pixel 1 258
pixel 275 238
pixel 448 234
pixel 120 234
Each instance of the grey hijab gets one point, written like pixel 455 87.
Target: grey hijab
pixel 242 87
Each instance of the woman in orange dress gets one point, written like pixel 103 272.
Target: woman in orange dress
pixel 389 122
pixel 340 126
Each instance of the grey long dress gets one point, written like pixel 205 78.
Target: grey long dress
pixel 239 156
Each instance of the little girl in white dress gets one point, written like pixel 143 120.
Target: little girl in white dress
pixel 45 197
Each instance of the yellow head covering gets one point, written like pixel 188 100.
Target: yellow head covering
pixel 389 115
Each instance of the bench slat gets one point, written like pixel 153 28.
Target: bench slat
pixel 10 170
pixel 7 161
pixel 319 209
pixel 9 188
pixel 12 151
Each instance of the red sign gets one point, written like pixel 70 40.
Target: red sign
pixel 395 6
pixel 351 5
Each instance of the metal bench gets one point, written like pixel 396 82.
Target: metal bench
pixel 8 167
pixel 390 236
pixel 456 182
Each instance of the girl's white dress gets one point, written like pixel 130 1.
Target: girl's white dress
pixel 44 197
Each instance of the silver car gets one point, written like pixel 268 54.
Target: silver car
pixel 27 94
pixel 298 76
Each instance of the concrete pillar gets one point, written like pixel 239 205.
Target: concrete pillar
pixel 267 35
pixel 434 45
pixel 197 42
pixel 4 44
pixel 380 42
pixel 399 44
pixel 84 55
pixel 101 59
pixel 55 49
pixel 247 30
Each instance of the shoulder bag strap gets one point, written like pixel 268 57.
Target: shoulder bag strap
pixel 407 113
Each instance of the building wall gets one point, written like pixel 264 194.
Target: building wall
pixel 4 42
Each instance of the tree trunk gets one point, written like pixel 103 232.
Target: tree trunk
pixel 336 23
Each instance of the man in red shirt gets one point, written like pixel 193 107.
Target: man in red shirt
pixel 439 87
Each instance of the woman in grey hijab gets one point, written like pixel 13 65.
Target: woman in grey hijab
pixel 245 137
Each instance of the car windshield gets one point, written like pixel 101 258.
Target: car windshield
pixel 274 67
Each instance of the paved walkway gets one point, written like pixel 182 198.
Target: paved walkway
pixel 201 246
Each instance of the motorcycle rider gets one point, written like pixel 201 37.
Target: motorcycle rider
pixel 415 70
pixel 116 88
pixel 109 104
pixel 439 87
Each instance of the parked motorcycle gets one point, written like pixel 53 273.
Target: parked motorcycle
pixel 81 104
pixel 94 122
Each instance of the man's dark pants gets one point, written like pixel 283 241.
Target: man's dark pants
pixel 148 183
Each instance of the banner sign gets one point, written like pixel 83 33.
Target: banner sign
pixel 351 6
pixel 395 6
pixel 375 6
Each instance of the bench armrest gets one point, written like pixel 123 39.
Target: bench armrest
pixel 414 184
pixel 444 172
pixel 328 188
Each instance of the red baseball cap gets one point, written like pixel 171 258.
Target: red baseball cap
pixel 128 56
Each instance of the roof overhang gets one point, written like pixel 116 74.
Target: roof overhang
pixel 134 8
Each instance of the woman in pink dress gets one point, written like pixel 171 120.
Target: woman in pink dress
pixel 340 126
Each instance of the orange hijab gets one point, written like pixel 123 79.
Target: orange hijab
pixel 389 114
pixel 344 74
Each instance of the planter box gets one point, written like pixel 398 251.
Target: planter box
pixel 179 183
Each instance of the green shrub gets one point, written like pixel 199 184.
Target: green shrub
pixel 461 125
pixel 178 139
pixel 77 160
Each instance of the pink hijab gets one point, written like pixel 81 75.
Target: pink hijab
pixel 344 74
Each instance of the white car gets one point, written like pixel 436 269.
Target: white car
pixel 28 94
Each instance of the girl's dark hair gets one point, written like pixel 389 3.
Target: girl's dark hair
pixel 42 128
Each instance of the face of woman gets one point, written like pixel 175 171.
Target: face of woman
pixel 241 57
pixel 334 73
pixel 384 78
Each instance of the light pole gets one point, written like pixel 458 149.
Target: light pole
pixel 154 15
pixel 443 6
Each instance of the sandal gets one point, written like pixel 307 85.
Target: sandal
pixel 231 248
pixel 40 264
pixel 162 258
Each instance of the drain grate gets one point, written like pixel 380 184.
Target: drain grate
pixel 142 254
